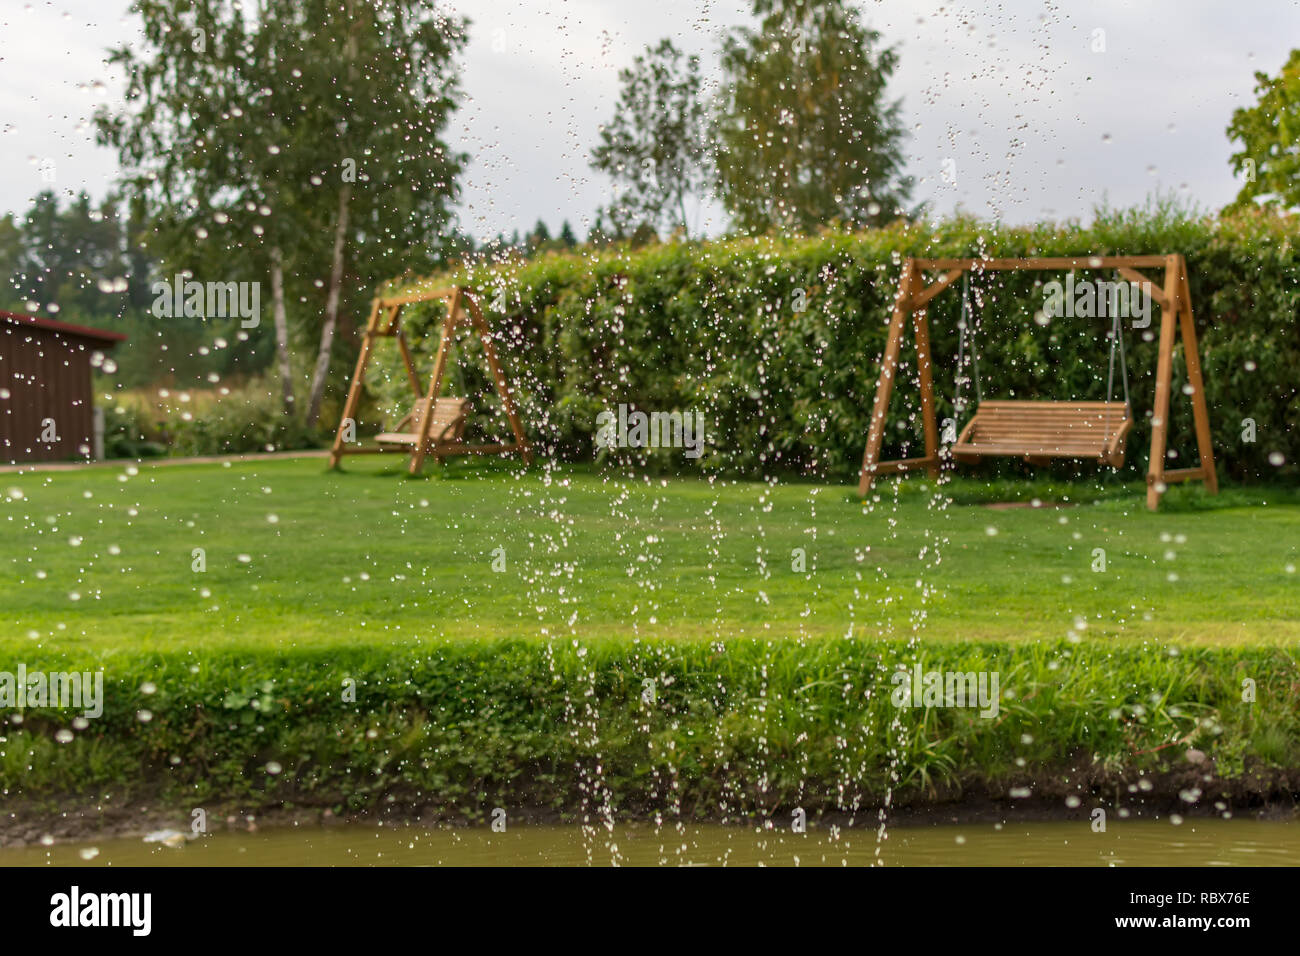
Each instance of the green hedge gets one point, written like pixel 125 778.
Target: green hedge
pixel 710 326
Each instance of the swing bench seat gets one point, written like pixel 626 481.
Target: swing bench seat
pixel 446 431
pixel 1040 431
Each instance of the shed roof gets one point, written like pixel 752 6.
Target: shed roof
pixel 63 328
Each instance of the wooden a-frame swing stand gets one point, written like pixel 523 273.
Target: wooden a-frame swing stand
pixel 1045 431
pixel 436 423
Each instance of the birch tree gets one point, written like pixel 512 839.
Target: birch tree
pixel 301 140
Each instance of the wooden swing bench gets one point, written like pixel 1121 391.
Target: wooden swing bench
pixel 446 430
pixel 1038 431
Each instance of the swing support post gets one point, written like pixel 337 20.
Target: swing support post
pixel 1070 420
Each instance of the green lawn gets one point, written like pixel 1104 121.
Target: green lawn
pixel 101 559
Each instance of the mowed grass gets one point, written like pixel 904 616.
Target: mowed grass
pixel 99 561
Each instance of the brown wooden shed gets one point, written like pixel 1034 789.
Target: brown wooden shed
pixel 47 409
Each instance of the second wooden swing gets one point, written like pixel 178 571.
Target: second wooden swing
pixel 435 425
pixel 1041 430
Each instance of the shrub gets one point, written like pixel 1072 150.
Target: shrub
pixel 127 431
pixel 202 422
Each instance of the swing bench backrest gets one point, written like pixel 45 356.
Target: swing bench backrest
pixel 447 427
pixel 1039 431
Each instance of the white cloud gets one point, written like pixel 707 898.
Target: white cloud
pixel 1036 123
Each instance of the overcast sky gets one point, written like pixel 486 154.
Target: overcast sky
pixel 1035 124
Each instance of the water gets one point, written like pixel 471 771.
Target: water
pixel 1211 842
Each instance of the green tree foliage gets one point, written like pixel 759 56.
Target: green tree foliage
pixel 87 264
pixel 805 136
pixel 11 261
pixel 70 257
pixel 297 139
pixel 540 237
pixel 1269 133
pixel 655 148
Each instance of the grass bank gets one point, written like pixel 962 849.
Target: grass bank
pixel 701 729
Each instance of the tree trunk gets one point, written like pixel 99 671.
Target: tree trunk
pixel 321 371
pixel 281 329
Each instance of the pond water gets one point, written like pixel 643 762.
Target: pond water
pixel 1211 842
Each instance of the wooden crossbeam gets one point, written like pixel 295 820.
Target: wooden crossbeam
pixel 1177 475
pixel 930 291
pixel 1157 296
pixel 414 297
pixel 1044 263
pixel 928 462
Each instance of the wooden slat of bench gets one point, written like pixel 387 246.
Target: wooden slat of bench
pixel 1077 436
pixel 1083 428
pixel 1081 416
pixel 1028 448
pixel 1048 421
pixel 1064 423
pixel 1052 414
pixel 1028 421
pixel 1025 415
pixel 1056 428
pixel 1033 455
pixel 409 438
pixel 1031 424
pixel 1034 404
pixel 1044 430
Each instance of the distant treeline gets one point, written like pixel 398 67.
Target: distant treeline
pixel 92 264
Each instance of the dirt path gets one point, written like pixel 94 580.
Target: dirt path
pixel 35 466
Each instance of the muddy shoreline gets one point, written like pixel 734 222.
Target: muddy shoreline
pixel 1271 797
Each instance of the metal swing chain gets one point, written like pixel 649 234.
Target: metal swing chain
pixel 1117 342
pixel 975 362
pixel 965 330
pixel 957 403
